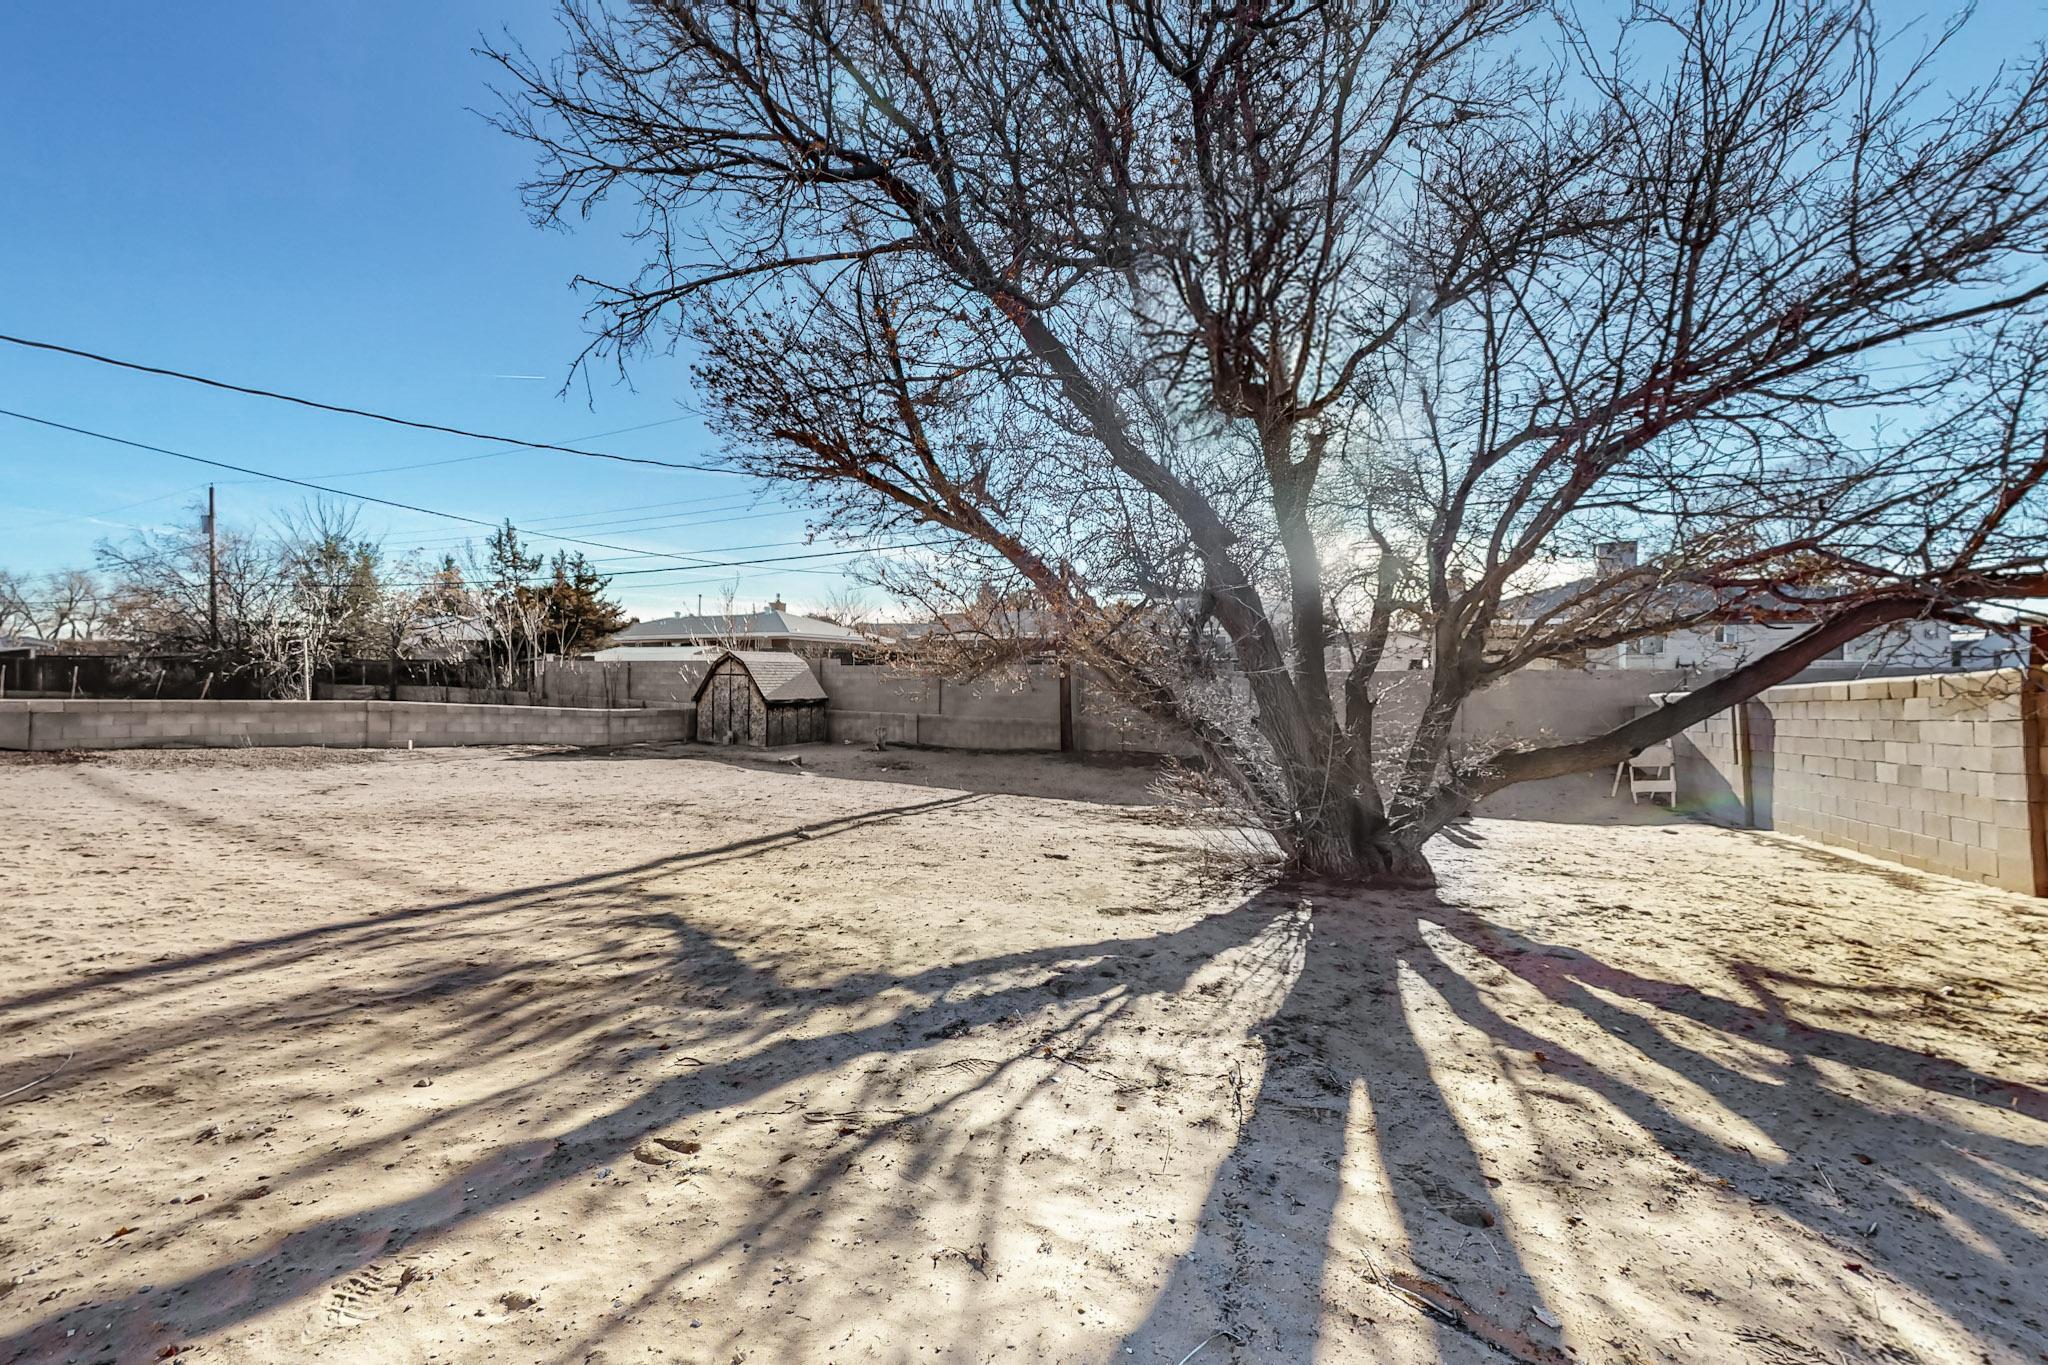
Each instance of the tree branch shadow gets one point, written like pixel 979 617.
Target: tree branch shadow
pixel 1409 1082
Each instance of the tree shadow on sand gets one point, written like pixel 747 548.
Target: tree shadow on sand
pixel 1394 1127
pixel 1447 1112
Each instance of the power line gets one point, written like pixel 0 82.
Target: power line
pixel 681 561
pixel 643 507
pixel 440 542
pixel 718 564
pixel 494 454
pixel 594 524
pixel 616 523
pixel 55 520
pixel 352 412
pixel 239 469
pixel 571 521
pixel 781 562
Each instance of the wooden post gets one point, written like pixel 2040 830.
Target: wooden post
pixel 1745 760
pixel 212 573
pixel 2034 751
pixel 1066 706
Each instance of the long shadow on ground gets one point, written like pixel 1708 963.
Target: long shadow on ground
pixel 1361 1007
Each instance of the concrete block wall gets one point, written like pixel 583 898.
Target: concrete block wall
pixel 1560 705
pixel 1929 772
pixel 648 682
pixel 189 724
pixel 349 691
pixel 47 725
pixel 489 696
pixel 1016 708
pixel 940 731
pixel 1019 708
pixel 1712 780
pixel 1104 724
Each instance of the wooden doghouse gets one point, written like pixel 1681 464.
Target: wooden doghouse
pixel 760 698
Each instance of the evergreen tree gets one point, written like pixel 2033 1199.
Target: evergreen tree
pixel 575 616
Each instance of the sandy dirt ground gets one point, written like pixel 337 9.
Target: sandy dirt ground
pixel 530 1057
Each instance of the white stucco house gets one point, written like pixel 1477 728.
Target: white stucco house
pixel 1912 643
pixel 1725 644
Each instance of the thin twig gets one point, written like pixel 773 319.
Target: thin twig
pixel 40 1079
pixel 1205 1341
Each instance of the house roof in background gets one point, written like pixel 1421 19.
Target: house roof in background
pixel 751 625
pixel 445 628
pixel 1004 623
pixel 1667 597
pixel 1674 598
pixel 701 654
pixel 780 676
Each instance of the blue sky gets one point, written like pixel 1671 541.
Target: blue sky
pixel 299 197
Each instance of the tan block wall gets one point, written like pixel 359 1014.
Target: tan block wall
pixel 46 725
pixel 1710 774
pixel 1928 772
pixel 589 683
pixel 1015 708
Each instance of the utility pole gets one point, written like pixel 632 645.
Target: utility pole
pixel 212 572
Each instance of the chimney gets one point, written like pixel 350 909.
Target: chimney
pixel 1613 557
pixel 778 605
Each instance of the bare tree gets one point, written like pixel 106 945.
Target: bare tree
pixel 66 603
pixel 17 602
pixel 1286 320
pixel 157 590
pixel 296 599
pixel 331 573
pixel 845 604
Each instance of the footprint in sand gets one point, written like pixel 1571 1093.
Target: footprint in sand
pixel 358 1298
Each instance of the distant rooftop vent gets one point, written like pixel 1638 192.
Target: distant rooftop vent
pixel 1614 557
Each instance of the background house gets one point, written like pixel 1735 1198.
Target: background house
pixel 777 629
pixel 1406 651
pixel 447 638
pixel 1725 644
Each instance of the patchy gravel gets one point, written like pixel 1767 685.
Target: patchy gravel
pixel 513 1055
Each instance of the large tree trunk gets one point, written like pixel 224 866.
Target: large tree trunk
pixel 1347 842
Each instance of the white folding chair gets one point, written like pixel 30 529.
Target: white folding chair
pixel 1651 773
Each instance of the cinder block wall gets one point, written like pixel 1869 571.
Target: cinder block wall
pixel 1015 708
pixel 1710 769
pixel 648 682
pixel 46 725
pixel 1929 772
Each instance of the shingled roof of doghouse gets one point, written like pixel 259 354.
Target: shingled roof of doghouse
pixel 780 676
